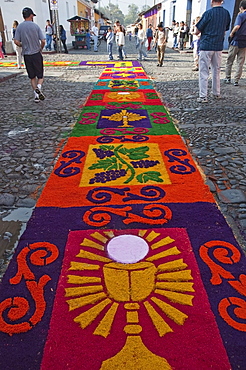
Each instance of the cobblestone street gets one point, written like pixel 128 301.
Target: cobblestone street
pixel 33 135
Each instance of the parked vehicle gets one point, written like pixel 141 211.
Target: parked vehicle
pixel 103 31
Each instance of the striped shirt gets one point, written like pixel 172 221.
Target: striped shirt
pixel 212 25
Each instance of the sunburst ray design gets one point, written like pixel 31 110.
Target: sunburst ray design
pixel 152 236
pixel 172 266
pixel 159 323
pixel 173 313
pixel 105 325
pixel 92 256
pixel 87 317
pixel 90 243
pixel 110 234
pixel 79 266
pixel 99 237
pixel 169 252
pixel 172 283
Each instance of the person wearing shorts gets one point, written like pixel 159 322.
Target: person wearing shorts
pixel 30 37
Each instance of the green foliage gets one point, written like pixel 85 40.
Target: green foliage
pixel 132 14
pixel 149 176
pixel 135 153
pixel 105 164
pixel 113 12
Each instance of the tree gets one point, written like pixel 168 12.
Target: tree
pixel 145 8
pixel 132 14
pixel 113 12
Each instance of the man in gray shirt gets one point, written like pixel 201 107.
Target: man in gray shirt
pixel 30 36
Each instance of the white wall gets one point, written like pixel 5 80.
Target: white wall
pixel 12 10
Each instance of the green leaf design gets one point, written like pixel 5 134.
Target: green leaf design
pixel 149 176
pixel 106 147
pixel 137 153
pixel 104 164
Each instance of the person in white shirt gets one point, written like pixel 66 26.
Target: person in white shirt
pixel 110 38
pixel 94 32
pixel 196 43
pixel 141 41
pixel 121 41
pixel 160 39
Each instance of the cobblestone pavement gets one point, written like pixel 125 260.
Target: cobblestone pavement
pixel 32 135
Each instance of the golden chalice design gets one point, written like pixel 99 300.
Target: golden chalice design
pixel 131 283
pixel 125 117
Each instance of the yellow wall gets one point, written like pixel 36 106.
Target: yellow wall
pixel 83 10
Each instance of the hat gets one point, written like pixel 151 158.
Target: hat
pixel 160 25
pixel 26 12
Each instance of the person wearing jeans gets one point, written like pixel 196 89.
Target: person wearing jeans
pixel 48 33
pixel 141 39
pixel 109 38
pixel 94 32
pixel 121 42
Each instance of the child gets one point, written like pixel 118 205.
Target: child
pixel 109 38
pixel 88 39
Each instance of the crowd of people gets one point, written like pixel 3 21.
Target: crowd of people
pixel 205 37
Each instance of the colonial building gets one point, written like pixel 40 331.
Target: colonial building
pixel 11 10
pixel 187 10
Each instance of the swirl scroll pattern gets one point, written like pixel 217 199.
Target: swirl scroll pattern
pixel 16 314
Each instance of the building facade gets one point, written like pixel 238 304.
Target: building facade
pixel 11 10
pixel 187 10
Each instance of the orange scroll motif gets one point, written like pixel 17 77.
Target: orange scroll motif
pixel 42 254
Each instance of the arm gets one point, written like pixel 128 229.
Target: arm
pixel 234 30
pixel 17 42
pixel 42 44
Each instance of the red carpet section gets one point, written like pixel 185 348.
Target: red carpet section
pixel 126 262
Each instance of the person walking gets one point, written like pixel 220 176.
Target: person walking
pixel 121 42
pixel 109 39
pixel 94 32
pixel 175 30
pixel 237 46
pixel 63 38
pixel 212 26
pixel 149 35
pixel 160 40
pixel 195 45
pixel 29 36
pixel 48 33
pixel 18 49
pixel 88 39
pixel 182 33
pixel 141 40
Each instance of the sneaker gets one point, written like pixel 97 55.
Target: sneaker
pixel 216 97
pixel 202 100
pixel 36 99
pixel 236 83
pixel 195 69
pixel 40 94
pixel 227 80
pixel 158 65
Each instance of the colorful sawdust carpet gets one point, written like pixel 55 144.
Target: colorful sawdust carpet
pixel 46 64
pixel 126 263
